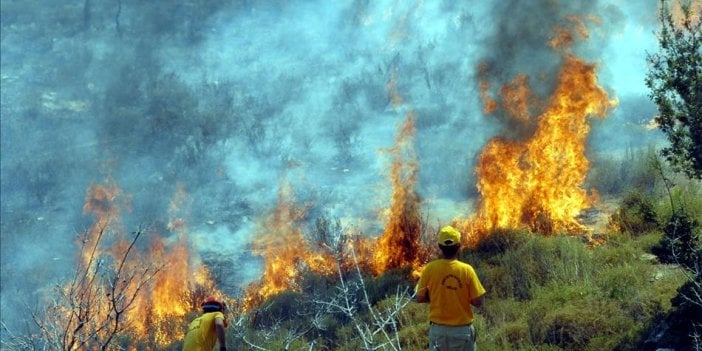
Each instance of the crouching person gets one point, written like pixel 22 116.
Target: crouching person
pixel 205 330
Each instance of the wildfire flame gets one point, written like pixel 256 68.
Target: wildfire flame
pixel 565 36
pixel 484 85
pixel 180 286
pixel 286 251
pixel 537 182
pixel 160 304
pixel 101 202
pixel 399 244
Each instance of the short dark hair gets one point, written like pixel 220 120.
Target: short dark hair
pixel 212 307
pixel 449 251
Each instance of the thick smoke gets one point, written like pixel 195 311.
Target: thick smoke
pixel 230 99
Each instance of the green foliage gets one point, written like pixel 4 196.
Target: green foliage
pixel 575 324
pixel 636 214
pixel 544 293
pixel 388 283
pixel 681 242
pixel 555 293
pixel 612 175
pixel 537 261
pixel 686 194
pixel 501 241
pixel 284 307
pixel 675 80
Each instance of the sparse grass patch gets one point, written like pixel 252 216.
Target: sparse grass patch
pixel 556 293
pixel 571 316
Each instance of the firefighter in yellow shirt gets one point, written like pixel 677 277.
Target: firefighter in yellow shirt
pixel 450 287
pixel 208 328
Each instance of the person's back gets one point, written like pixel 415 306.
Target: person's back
pixel 451 284
pixel 205 330
pixel 450 287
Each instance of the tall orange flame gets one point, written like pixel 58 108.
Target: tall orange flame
pixel 179 287
pixel 536 183
pixel 399 244
pixel 518 100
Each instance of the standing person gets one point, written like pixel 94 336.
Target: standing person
pixel 208 328
pixel 450 287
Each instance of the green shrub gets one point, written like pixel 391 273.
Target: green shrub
pixel 285 306
pixel 513 334
pixel 500 241
pixel 623 282
pixel 681 242
pixel 497 279
pixel 636 214
pixel 616 175
pixel 685 194
pixel 543 293
pixel 540 260
pixel 647 241
pixel 415 336
pixel 573 324
pixel 618 251
pixel 388 283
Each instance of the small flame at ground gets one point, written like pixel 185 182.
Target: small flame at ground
pixel 286 251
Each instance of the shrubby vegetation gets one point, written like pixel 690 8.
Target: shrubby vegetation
pixel 630 290
pixel 615 176
pixel 544 293
pixel 635 287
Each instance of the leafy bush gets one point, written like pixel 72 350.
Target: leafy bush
pixel 685 194
pixel 572 316
pixel 681 242
pixel 540 260
pixel 636 214
pixel 617 175
pixel 387 284
pixel 681 245
pixel 286 306
pixel 500 241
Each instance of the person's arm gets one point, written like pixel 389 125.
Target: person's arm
pixel 478 301
pixel 421 291
pixel 219 327
pixel 422 298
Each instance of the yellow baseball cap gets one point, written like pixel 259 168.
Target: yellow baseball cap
pixel 449 236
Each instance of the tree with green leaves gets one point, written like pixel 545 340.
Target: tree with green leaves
pixel 675 81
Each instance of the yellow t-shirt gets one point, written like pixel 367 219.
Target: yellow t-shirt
pixel 451 285
pixel 202 334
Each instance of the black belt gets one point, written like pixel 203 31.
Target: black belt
pixel 446 325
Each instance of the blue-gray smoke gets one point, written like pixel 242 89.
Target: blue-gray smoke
pixel 231 99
